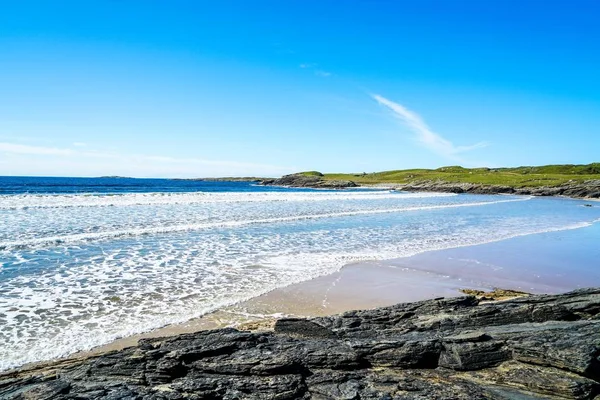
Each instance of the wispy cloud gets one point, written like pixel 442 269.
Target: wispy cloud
pixel 425 135
pixel 317 72
pixel 323 74
pixel 30 158
pixel 33 150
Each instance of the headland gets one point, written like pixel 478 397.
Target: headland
pixel 577 181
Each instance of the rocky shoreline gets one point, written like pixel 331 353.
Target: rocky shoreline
pixel 536 347
pixel 308 181
pixel 587 190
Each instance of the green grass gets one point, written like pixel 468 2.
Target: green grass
pixel 311 173
pixel 549 175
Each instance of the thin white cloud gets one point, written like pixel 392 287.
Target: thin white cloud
pixel 33 150
pixel 79 144
pixel 322 73
pixel 91 162
pixel 425 135
pixel 317 72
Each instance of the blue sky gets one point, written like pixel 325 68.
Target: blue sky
pixel 199 88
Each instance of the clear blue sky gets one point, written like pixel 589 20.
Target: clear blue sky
pixel 199 88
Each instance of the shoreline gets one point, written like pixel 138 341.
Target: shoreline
pixel 369 284
pixel 463 348
pixel 377 283
pixel 324 296
pixel 585 190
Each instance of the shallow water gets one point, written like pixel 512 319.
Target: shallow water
pixel 78 270
pixel 549 262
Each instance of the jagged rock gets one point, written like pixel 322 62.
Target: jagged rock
pixel 586 189
pixel 536 347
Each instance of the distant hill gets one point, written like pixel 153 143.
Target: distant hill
pixel 578 181
pixel 547 175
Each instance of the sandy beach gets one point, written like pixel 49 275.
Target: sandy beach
pixel 356 286
pixel 519 264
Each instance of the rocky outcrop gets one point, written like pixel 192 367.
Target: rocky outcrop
pixel 308 181
pixel 537 347
pixel 587 189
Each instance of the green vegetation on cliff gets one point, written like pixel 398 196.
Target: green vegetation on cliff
pixel 310 173
pixel 548 175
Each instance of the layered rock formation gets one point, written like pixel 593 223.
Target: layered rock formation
pixel 587 189
pixel 538 347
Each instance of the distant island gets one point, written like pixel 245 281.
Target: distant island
pixel 579 181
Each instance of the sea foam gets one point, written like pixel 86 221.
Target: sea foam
pixel 80 271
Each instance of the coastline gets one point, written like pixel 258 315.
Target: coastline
pixel 531 347
pixel 364 285
pixel 321 312
pixel 343 291
pixel 585 190
pixel 516 263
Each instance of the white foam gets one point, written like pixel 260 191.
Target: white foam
pixel 55 300
pixel 27 201
pixel 70 239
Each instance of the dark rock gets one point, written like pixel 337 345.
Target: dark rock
pixel 536 347
pixel 46 390
pixel 302 327
pixel 476 336
pixel 473 356
pixel 587 189
pixel 409 354
pixel 309 181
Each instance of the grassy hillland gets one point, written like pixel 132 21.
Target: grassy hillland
pixel 519 177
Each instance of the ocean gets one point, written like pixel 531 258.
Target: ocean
pixel 84 261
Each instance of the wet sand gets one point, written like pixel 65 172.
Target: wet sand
pixel 356 286
pixel 545 263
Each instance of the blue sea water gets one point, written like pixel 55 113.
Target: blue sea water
pixel 84 261
pixel 115 185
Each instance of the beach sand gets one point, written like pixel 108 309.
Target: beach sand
pixel 356 286
pixel 547 263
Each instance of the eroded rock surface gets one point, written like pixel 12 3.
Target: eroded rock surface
pixel 537 347
pixel 587 189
